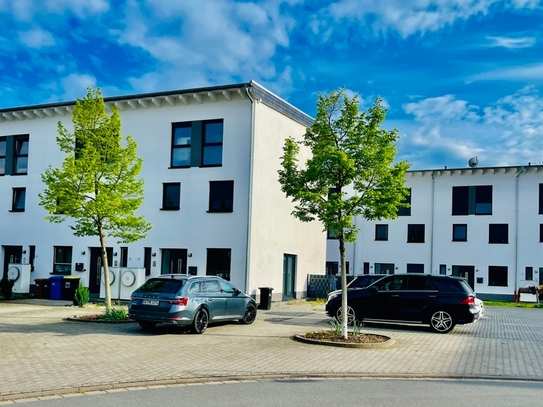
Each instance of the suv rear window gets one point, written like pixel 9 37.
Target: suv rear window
pixel 162 286
pixel 451 285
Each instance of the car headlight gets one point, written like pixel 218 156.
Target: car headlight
pixel 331 297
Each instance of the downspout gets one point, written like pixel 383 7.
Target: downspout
pixel 250 193
pixel 516 227
pixel 432 215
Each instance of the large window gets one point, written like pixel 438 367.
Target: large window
pixel 171 196
pixel 406 211
pixel 384 268
pixel 18 203
pixel 14 155
pixel 415 268
pixel 498 233
pixel 212 146
pixel 20 159
pixel 197 144
pixel 415 233
pixel 218 263
pixel 62 263
pixel 460 233
pixel 472 200
pixel 497 276
pixel 2 155
pixel 221 196
pixel 381 232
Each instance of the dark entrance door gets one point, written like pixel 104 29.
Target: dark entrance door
pixel 468 272
pixel 95 267
pixel 12 254
pixel 289 276
pixel 174 261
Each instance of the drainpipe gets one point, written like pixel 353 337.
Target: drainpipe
pixel 432 215
pixel 516 227
pixel 250 192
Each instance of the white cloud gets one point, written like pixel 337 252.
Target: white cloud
pixel 533 72
pixel 75 86
pixel 512 43
pixel 444 108
pixel 36 38
pixel 26 10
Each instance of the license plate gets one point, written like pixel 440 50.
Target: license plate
pixel 150 302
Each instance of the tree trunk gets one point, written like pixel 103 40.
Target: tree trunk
pixel 106 270
pixel 344 322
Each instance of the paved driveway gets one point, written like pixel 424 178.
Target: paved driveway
pixel 42 354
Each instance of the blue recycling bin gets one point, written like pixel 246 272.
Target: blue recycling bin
pixel 55 287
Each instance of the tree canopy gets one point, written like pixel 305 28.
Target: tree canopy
pixel 351 170
pixel 97 184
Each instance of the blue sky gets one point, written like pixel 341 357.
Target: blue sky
pixel 460 78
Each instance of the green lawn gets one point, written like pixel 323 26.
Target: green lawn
pixel 511 304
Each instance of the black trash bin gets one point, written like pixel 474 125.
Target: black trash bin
pixel 69 285
pixel 265 297
pixel 42 288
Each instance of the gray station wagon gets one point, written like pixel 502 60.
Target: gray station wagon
pixel 193 301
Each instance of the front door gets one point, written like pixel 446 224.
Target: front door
pixel 174 261
pixel 12 254
pixel 95 267
pixel 468 272
pixel 289 276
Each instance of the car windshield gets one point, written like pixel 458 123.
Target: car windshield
pixel 162 286
pixel 363 281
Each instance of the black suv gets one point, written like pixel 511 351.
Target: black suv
pixel 440 301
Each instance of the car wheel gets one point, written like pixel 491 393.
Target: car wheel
pixel 147 325
pixel 201 320
pixel 441 322
pixel 250 314
pixel 351 315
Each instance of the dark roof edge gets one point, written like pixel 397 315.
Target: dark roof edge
pixel 497 167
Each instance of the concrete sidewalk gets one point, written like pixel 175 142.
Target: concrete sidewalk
pixel 42 354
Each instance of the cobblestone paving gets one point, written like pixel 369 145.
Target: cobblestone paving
pixel 41 353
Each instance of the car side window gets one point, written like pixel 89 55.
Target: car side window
pixel 227 287
pixel 392 283
pixel 194 287
pixel 417 283
pixel 211 286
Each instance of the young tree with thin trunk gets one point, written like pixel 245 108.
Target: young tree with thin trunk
pixel 97 184
pixel 351 172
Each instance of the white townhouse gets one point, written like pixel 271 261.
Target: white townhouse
pixel 485 224
pixel 210 161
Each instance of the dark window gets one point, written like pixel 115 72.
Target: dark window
pixel 181 144
pixel 384 268
pixel 381 232
pixel 3 150
pixel 472 200
pixel 392 283
pixel 497 276
pixel 498 233
pixel 162 285
pixel 415 233
pixel 366 267
pixel 332 268
pixel 541 232
pixel 147 260
pixel 419 283
pixel 442 269
pixel 171 196
pixel 331 234
pixel 221 196
pixel 540 187
pixel 124 256
pixel 529 273
pixel 460 233
pixel 20 159
pixel 415 268
pixel 406 211
pixel 212 145
pixel 18 204
pixel 62 263
pixel 31 257
pixel 218 263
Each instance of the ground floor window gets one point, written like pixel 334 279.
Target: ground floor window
pixel 62 263
pixel 415 268
pixel 332 268
pixel 384 268
pixel 497 276
pixel 219 263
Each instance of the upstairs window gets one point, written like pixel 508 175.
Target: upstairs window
pixel 381 232
pixel 171 196
pixel 221 196
pixel 498 233
pixel 2 155
pixel 18 203
pixel 406 211
pixel 460 233
pixel 540 187
pixel 14 155
pixel 20 159
pixel 415 233
pixel 472 200
pixel 181 144
pixel 212 146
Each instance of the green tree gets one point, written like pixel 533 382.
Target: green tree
pixel 351 171
pixel 97 185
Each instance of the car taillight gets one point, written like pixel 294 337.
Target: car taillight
pixel 468 301
pixel 181 301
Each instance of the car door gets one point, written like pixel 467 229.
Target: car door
pixel 215 299
pixel 235 303
pixel 388 297
pixel 413 301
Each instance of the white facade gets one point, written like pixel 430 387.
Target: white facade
pixel 259 232
pixel 500 209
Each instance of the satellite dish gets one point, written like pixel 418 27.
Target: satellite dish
pixel 473 162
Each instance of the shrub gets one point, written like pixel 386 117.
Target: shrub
pixel 81 296
pixel 116 314
pixel 6 288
